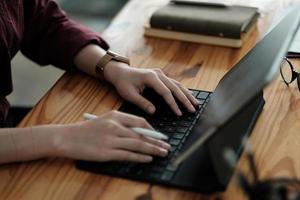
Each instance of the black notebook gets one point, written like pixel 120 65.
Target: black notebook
pixel 212 24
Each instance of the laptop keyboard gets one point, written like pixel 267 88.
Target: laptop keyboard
pixel 176 128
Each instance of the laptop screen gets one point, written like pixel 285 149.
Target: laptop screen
pixel 253 72
pixel 247 78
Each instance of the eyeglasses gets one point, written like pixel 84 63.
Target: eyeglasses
pixel 264 189
pixel 288 72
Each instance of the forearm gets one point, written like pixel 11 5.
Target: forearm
pixel 87 59
pixel 23 144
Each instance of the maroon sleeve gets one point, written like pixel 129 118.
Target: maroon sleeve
pixel 4 107
pixel 51 38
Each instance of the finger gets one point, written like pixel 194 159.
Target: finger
pixel 123 155
pixel 178 93
pixel 187 92
pixel 140 146
pixel 125 132
pixel 129 120
pixel 137 99
pixel 156 142
pixel 161 89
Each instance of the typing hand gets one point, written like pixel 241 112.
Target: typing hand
pixel 130 83
pixel 109 138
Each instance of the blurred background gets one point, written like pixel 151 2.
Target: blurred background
pixel 29 79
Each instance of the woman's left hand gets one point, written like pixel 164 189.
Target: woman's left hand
pixel 130 82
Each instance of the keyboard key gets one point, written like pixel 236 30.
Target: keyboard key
pixel 169 114
pixel 171 168
pixel 179 147
pixel 188 133
pixel 173 149
pixel 174 142
pixel 185 123
pixel 195 93
pixel 153 122
pixel 165 118
pixel 202 95
pixel 169 129
pixel 154 176
pixel 160 124
pixel 116 166
pixel 188 118
pixel 170 155
pixel 191 114
pixel 133 167
pixel 135 171
pixel 167 176
pixel 162 163
pixel 157 169
pixel 201 101
pixel 183 140
pixel 182 129
pixel 172 123
pixel 178 135
pixel 200 111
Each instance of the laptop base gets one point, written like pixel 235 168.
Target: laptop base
pixel 205 171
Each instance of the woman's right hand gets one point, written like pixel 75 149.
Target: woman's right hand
pixel 109 138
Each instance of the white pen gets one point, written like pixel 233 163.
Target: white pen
pixel 138 130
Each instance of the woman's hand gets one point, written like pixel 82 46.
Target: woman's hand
pixel 109 138
pixel 130 83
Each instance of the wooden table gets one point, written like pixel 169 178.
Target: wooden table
pixel 275 139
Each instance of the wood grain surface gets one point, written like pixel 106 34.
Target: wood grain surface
pixel 275 139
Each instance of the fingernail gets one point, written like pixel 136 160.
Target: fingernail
pixel 163 152
pixel 148 158
pixel 179 112
pixel 151 109
pixel 195 101
pixel 167 146
pixel 192 109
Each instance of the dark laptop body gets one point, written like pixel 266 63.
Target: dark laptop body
pixel 233 108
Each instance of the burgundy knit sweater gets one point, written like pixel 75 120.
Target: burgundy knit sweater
pixel 43 33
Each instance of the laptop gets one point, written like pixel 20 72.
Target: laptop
pixel 224 118
pixel 294 50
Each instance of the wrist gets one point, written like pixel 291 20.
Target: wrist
pixel 59 140
pixel 113 61
pixel 113 70
pixel 47 140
